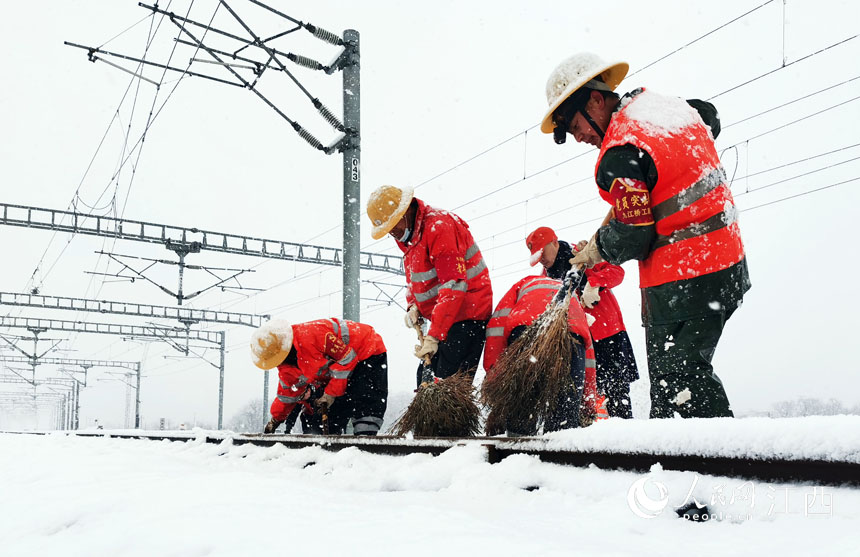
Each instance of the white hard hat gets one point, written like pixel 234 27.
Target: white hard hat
pixel 574 73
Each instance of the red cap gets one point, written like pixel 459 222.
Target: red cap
pixel 538 240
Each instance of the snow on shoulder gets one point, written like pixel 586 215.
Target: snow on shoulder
pixel 660 114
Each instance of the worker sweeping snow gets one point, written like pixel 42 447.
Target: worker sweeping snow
pixel 330 370
pixel 539 361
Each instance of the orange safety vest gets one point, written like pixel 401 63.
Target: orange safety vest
pixel 695 215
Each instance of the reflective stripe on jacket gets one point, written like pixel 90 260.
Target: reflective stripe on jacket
pixel 446 275
pixel 327 351
pixel 692 206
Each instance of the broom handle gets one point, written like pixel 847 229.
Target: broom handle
pixel 609 216
pixel 426 372
pixel 324 416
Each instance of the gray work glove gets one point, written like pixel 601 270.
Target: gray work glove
pixel 326 399
pixel 590 295
pixel 429 347
pixel 589 256
pixel 411 319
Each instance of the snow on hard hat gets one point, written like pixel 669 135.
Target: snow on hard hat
pixel 271 343
pixel 575 72
pixel 537 240
pixel 386 206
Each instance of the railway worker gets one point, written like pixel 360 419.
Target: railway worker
pixel 616 364
pixel 520 307
pixel 447 280
pixel 345 363
pixel 673 212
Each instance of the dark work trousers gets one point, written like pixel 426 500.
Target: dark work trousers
pixel 461 350
pixel 680 370
pixel 566 414
pixel 616 369
pixel 292 418
pixel 364 401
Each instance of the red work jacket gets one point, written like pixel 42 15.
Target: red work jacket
pixel 446 276
pixel 327 350
pixel 606 313
pixel 692 207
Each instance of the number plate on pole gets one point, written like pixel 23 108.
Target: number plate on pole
pixel 354 171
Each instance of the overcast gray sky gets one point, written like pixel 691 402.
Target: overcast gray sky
pixel 441 82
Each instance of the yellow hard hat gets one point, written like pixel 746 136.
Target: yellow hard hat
pixel 271 343
pixel 386 206
pixel 572 74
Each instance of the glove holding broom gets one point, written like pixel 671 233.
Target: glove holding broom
pixel 441 407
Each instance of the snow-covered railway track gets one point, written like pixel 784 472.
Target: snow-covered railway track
pixel 834 472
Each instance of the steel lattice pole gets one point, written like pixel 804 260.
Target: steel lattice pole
pixel 137 400
pixel 221 382
pixel 266 397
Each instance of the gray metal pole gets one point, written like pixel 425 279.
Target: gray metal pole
pixel 181 269
pixel 137 400
pixel 221 383
pixel 77 405
pixel 266 397
pixel 351 175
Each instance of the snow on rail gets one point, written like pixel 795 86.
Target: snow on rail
pixel 819 449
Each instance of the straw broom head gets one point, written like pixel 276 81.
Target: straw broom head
pixel 446 408
pixel 532 372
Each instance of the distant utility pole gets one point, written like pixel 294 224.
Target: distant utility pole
pixel 35 360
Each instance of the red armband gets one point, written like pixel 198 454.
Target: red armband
pixel 335 347
pixel 632 201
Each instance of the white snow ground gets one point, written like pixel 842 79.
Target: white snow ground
pixel 67 495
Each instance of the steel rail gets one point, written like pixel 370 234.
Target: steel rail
pixel 775 469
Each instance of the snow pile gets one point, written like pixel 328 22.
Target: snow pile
pixel 831 438
pixel 80 496
pixel 660 114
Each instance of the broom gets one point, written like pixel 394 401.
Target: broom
pixel 532 372
pixel 441 407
